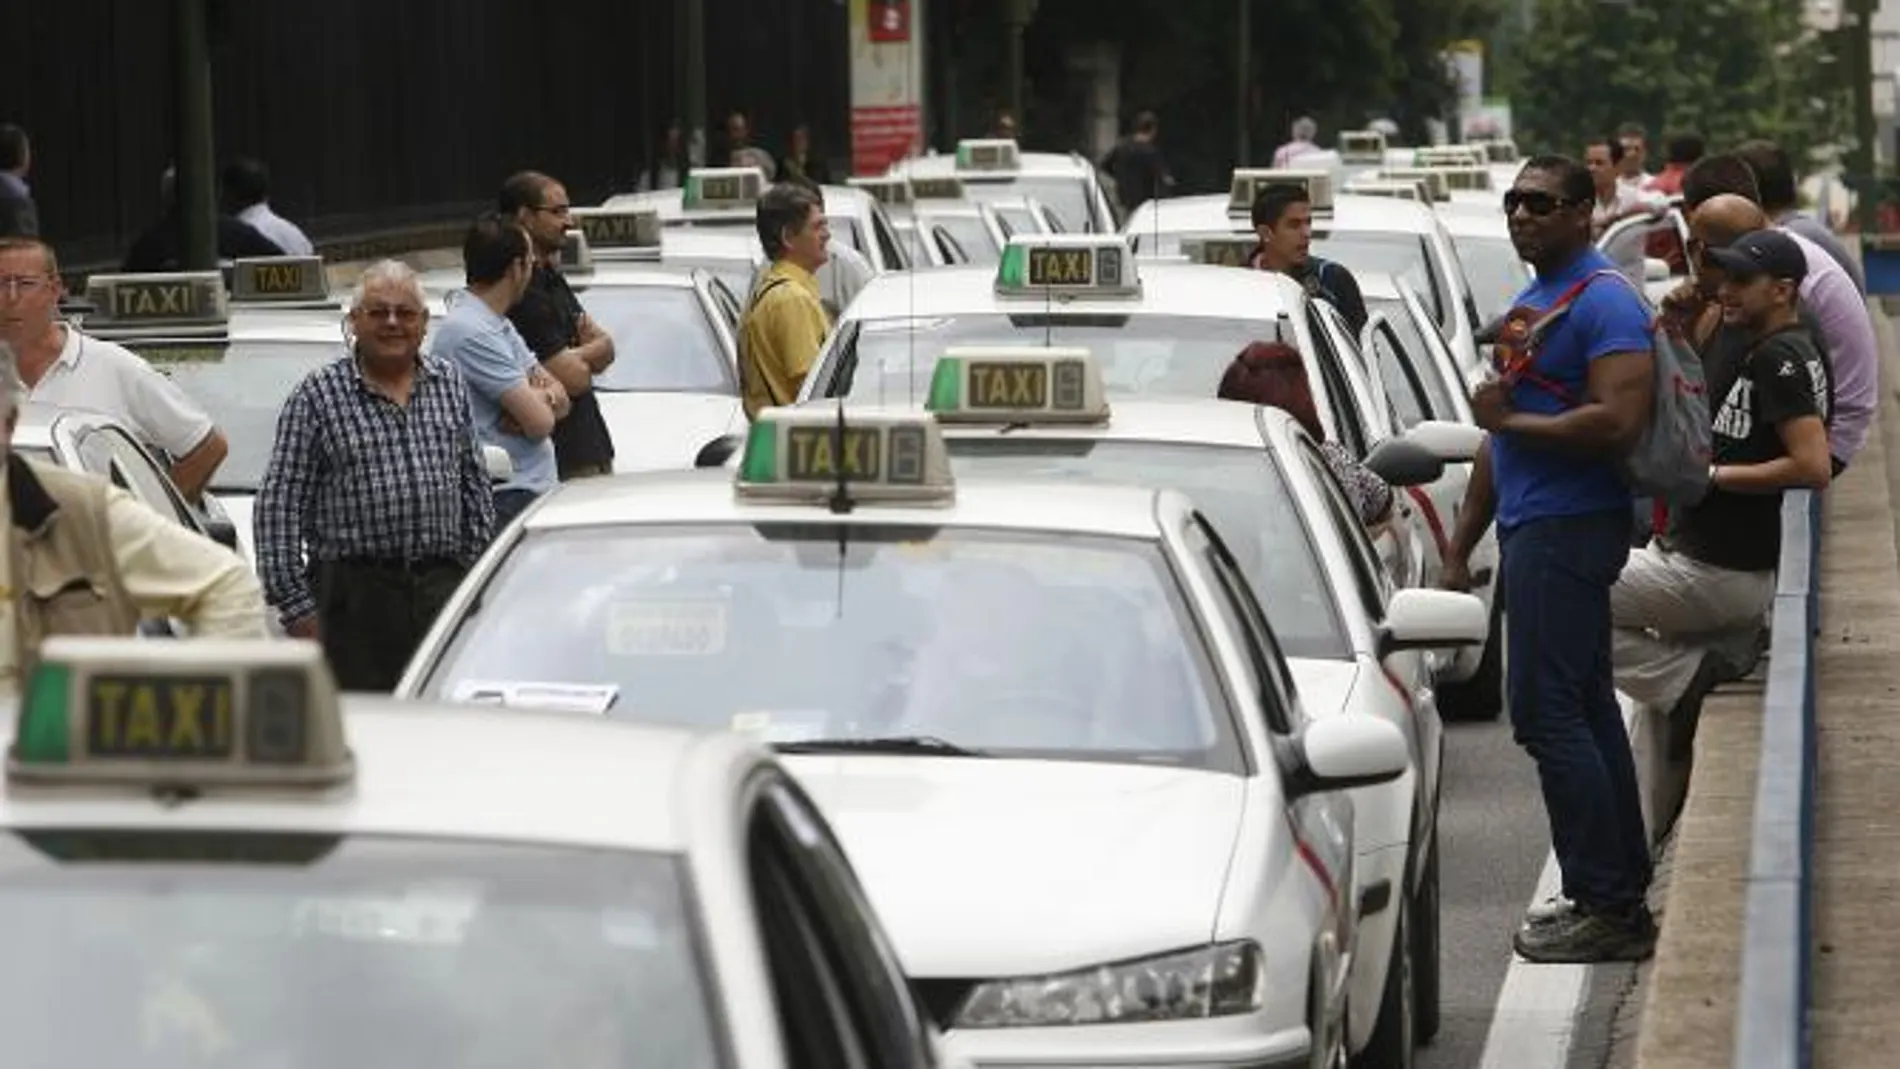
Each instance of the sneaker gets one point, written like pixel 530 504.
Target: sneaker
pixel 1554 908
pixel 1586 937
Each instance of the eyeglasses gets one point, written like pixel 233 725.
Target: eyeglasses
pixel 404 314
pixel 15 285
pixel 1534 201
pixel 554 209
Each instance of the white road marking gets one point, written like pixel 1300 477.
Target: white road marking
pixel 1536 1015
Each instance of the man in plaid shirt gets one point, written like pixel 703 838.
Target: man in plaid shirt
pixel 376 499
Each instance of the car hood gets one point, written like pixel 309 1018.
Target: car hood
pixel 665 431
pixel 985 867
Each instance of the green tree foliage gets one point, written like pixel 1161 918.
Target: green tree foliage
pixel 1726 69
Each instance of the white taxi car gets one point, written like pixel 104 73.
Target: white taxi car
pixel 1482 236
pixel 674 382
pixel 728 198
pixel 1057 739
pixel 236 871
pixel 925 245
pixel 1363 233
pixel 1305 553
pixel 997 168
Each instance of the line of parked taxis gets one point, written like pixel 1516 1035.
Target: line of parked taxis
pixel 1007 701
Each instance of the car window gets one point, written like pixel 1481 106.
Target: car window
pixel 243 389
pixel 728 303
pixel 1494 271
pixel 663 340
pixel 971 236
pixel 890 360
pixel 1241 491
pixel 1068 197
pixel 1042 644
pixel 142 477
pixel 890 250
pixel 1417 350
pixel 914 243
pixel 1410 403
pixel 953 253
pixel 845 228
pixel 1348 422
pixel 1368 574
pixel 1388 253
pixel 379 951
pixel 1361 376
pixel 1241 615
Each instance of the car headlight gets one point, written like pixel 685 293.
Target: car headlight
pixel 1215 981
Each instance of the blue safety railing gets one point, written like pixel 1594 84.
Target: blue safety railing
pixel 1771 1029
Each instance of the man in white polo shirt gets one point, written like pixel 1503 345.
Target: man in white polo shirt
pixel 64 367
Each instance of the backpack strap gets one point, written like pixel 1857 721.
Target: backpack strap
pixel 1557 310
pixel 758 295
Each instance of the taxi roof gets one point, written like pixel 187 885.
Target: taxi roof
pixel 607 272
pixel 1171 420
pixel 709 496
pixel 1209 213
pixel 944 165
pixel 704 244
pixel 456 772
pixel 1192 290
pixel 671 203
pixel 1467 219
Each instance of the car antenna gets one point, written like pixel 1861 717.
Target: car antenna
pixel 840 503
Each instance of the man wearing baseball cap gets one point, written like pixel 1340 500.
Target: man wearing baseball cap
pixel 1688 606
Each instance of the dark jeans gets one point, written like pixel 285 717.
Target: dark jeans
pixel 1557 575
pixel 372 616
pixel 509 504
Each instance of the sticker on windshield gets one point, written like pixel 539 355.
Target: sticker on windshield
pixel 780 725
pixel 595 698
pixel 903 326
pixel 667 627
pixel 421 917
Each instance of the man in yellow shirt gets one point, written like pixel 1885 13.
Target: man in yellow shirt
pixel 784 322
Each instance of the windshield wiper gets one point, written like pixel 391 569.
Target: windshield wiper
pixel 920 745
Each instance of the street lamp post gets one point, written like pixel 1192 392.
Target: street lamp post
pixel 1017 15
pixel 1242 147
pixel 194 185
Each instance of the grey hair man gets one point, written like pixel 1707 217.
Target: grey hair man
pixel 376 480
pixel 108 559
pixel 1305 140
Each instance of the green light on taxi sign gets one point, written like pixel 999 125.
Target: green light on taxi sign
pixel 816 455
pixel 1017 386
pixel 1012 272
pixel 200 715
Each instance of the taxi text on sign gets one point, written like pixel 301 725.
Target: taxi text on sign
pixel 818 454
pixel 158 300
pixel 151 717
pixel 887 82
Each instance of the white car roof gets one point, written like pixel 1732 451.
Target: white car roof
pixel 1167 289
pixel 709 496
pixel 1032 163
pixel 706 244
pixel 610 272
pixel 1171 420
pixel 1469 220
pixel 1209 213
pixel 461 773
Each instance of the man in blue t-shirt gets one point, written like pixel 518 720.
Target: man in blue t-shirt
pixel 514 401
pixel 1561 411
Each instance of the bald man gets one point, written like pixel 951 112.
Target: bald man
pixel 1829 301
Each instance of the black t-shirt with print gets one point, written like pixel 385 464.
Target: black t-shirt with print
pixel 548 319
pixel 1755 386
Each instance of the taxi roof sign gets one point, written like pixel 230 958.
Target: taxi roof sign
pixel 1017 385
pixel 274 279
pixel 1467 179
pixel 837 455
pixel 576 257
pixel 1450 156
pixel 1220 250
pixel 988 154
pixel 712 189
pixel 946 187
pixel 192 298
pixel 1436 184
pixel 614 228
pixel 1401 189
pixel 892 191
pixel 1361 146
pixel 180 715
pixel 1249 181
pixel 1501 150
pixel 1096 265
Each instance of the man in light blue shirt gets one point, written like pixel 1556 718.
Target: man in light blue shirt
pixel 513 400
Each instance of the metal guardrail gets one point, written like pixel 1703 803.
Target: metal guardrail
pixel 1772 1029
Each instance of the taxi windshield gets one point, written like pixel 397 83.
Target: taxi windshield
pixel 913 238
pixel 243 391
pixel 889 361
pixel 1067 195
pixel 1014 644
pixel 1496 274
pixel 663 340
pixel 1389 253
pixel 971 236
pixel 1241 491
pixel 294 951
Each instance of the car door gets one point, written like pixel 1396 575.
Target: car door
pixel 1362 378
pixel 1401 372
pixel 814 911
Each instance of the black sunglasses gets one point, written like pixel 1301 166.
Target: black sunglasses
pixel 1534 201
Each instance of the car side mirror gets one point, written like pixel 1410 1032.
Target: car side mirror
pixel 1418 619
pixel 716 453
pixel 1403 462
pixel 1655 270
pixel 221 530
pixel 500 467
pixel 1343 752
pixel 1453 443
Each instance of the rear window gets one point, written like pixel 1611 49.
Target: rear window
pixel 663 340
pixel 889 361
pixel 243 949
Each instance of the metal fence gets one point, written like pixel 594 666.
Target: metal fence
pixel 1772 1030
